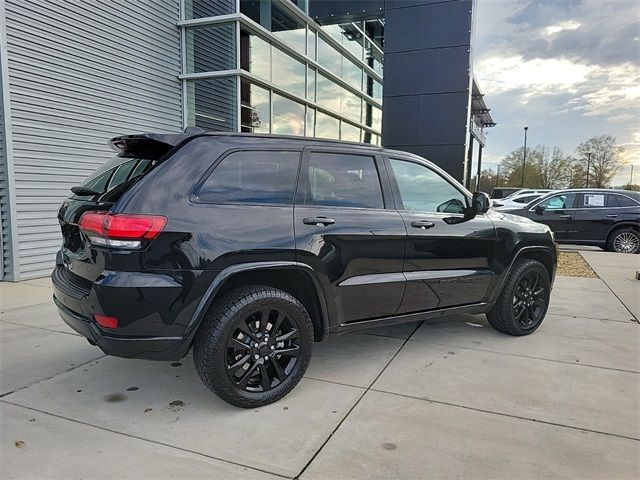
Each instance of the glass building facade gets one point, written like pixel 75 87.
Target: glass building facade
pixel 267 67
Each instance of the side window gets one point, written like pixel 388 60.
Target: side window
pixel 254 177
pixel 343 180
pixel 424 190
pixel 620 201
pixel 557 202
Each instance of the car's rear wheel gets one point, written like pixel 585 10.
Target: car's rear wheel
pixel 624 240
pixel 254 346
pixel 524 300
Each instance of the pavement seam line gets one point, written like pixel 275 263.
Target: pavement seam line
pixel 53 376
pixel 42 328
pixel 490 412
pixel 530 357
pixel 592 318
pixel 637 320
pixel 368 389
pixel 31 305
pixel 142 438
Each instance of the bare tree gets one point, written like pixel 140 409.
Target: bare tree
pixel 554 168
pixel 604 164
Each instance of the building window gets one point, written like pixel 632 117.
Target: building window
pixel 327 126
pixel 210 49
pixel 211 104
pixel 255 55
pixel 288 116
pixel 288 73
pixel 207 8
pixel 255 108
pixel 349 132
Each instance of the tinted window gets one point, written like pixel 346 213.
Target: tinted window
pixel 343 180
pixel 424 190
pixel 114 173
pixel 564 200
pixel 621 201
pixel 527 199
pixel 253 177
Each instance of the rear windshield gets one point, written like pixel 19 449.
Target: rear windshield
pixel 115 173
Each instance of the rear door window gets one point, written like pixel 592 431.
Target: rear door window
pixel 615 200
pixel 253 177
pixel 343 180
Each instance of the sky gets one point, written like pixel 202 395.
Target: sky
pixel 567 69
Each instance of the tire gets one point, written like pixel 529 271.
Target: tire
pixel 508 315
pixel 624 240
pixel 224 349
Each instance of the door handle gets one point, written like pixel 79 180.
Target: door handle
pixel 612 215
pixel 423 224
pixel 318 221
pixel 565 217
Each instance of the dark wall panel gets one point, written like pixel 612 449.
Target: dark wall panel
pixel 428 26
pixel 427 77
pixel 425 119
pixel 427 71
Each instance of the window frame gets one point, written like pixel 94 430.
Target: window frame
pixel 375 153
pixel 441 173
pixel 194 197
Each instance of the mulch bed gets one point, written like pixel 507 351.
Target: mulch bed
pixel 572 264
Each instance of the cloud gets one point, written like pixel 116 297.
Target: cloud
pixel 561 27
pixel 531 77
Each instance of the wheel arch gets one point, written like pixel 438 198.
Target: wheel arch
pixel 619 225
pixel 543 254
pixel 292 277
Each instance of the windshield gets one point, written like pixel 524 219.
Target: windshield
pixel 114 173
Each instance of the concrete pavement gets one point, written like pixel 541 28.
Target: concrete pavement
pixel 453 399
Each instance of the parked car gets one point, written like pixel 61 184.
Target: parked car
pixel 605 218
pixel 250 248
pixel 518 199
pixel 502 192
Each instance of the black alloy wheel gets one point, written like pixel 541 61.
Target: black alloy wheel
pixel 529 303
pixel 253 346
pixel 263 350
pixel 524 299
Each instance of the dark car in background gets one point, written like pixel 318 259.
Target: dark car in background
pixel 606 218
pixel 250 248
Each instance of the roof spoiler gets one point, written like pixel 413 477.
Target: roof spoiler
pixel 151 146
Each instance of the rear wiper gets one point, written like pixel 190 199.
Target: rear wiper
pixel 84 191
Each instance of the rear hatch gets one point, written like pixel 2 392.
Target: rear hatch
pixel 136 156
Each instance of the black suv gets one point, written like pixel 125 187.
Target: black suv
pixel 250 248
pixel 609 219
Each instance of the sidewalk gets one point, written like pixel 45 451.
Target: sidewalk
pixel 448 399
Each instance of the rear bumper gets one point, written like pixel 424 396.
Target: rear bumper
pixel 75 304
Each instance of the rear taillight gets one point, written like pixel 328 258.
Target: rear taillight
pixel 121 230
pixel 106 322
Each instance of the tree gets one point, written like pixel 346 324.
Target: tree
pixel 488 180
pixel 605 162
pixel 511 168
pixel 554 168
pixel 630 186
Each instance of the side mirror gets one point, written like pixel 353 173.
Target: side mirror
pixel 539 209
pixel 480 202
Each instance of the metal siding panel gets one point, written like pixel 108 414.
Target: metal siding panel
pixel 79 74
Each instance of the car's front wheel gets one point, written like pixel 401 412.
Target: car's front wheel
pixel 624 240
pixel 524 299
pixel 253 346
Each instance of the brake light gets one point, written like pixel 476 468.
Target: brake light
pixel 106 322
pixel 121 230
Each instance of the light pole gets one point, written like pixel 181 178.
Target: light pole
pixel 524 157
pixel 498 176
pixel 588 167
